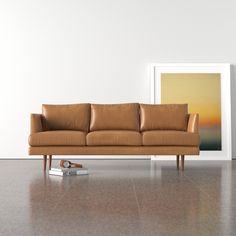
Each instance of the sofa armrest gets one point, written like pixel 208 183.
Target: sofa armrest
pixel 36 123
pixel 193 123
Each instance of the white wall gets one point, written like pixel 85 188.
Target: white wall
pixel 69 51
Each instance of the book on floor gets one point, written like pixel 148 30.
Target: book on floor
pixel 68 171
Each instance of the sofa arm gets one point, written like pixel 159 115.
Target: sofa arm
pixel 193 122
pixel 36 123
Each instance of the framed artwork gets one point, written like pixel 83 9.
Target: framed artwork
pixel 206 90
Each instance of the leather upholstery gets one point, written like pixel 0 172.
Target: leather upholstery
pixel 56 138
pixel 164 117
pixel 166 130
pixel 113 138
pixel 36 123
pixel 66 117
pixel 114 150
pixel 193 123
pixel 170 138
pixel 114 117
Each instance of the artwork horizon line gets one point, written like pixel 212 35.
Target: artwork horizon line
pixel 210 138
pixel 209 126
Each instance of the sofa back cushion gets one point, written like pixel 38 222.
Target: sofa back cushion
pixel 114 117
pixel 163 117
pixel 66 117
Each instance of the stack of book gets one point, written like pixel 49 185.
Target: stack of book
pixel 68 171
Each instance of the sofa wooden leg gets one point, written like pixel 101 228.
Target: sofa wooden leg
pixel 50 161
pixel 177 161
pixel 182 162
pixel 44 162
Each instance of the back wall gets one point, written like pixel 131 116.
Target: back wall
pixel 72 51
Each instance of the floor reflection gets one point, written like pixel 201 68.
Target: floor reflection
pixel 137 197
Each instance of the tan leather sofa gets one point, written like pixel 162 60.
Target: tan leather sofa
pixel 114 129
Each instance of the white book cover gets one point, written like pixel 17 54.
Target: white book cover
pixel 68 169
pixel 51 172
pixel 71 171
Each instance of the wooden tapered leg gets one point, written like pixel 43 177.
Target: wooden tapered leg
pixel 50 161
pixel 182 162
pixel 177 161
pixel 44 162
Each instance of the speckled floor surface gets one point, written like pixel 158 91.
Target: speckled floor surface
pixel 119 198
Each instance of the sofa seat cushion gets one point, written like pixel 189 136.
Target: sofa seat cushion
pixel 113 138
pixel 170 138
pixel 56 138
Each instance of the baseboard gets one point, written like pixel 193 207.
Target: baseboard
pixel 189 158
pixel 68 157
pixel 110 157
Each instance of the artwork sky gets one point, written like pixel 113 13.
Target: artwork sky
pixel 202 93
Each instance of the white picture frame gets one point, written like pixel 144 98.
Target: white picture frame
pixel 157 69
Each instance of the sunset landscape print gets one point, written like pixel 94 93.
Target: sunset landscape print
pixel 202 93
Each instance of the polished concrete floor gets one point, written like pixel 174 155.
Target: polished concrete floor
pixel 119 198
